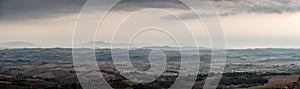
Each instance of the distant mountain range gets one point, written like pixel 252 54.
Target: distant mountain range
pixel 17 44
pixel 102 44
pixel 98 44
pixel 174 48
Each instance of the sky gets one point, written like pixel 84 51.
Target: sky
pixel 246 23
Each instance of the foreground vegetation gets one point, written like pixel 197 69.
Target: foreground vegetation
pixel 40 68
pixel 52 75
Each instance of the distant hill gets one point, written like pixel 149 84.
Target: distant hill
pixel 174 48
pixel 161 47
pixel 102 44
pixel 17 44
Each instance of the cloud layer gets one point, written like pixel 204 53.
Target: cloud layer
pixel 132 5
pixel 234 7
pixel 230 7
pixel 14 10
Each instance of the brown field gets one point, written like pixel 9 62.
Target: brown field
pixel 281 79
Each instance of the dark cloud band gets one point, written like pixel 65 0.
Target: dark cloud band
pixel 15 10
pixel 229 7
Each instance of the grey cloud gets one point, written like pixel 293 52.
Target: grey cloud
pixel 18 10
pixel 233 7
pixel 230 7
pixel 188 15
pixel 132 5
pixel 15 10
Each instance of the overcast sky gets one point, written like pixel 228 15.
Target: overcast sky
pixel 246 23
